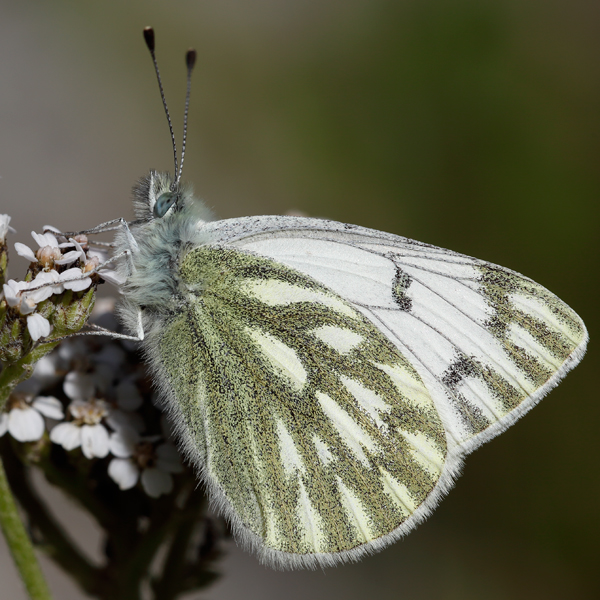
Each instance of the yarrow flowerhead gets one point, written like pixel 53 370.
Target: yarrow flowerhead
pixel 101 411
pixel 55 297
pixel 86 416
pixel 86 419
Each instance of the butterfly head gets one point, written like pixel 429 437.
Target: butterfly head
pixel 159 194
pixel 158 199
pixel 156 196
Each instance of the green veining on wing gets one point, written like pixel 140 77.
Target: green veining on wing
pixel 550 331
pixel 320 444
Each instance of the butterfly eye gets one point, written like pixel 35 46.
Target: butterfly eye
pixel 164 203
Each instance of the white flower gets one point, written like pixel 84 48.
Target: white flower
pixel 45 239
pixel 73 255
pixel 24 419
pixel 25 252
pixel 4 227
pixel 13 294
pixel 50 253
pixel 141 459
pixel 44 285
pixel 25 295
pixel 73 279
pixel 47 253
pixel 79 386
pixel 38 326
pixel 85 430
pixel 103 369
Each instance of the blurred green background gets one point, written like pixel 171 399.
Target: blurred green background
pixel 472 125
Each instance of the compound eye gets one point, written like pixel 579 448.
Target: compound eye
pixel 164 203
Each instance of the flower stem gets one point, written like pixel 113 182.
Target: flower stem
pixel 19 543
pixel 12 373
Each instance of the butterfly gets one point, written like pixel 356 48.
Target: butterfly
pixel 327 380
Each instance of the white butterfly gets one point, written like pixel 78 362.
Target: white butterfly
pixel 327 380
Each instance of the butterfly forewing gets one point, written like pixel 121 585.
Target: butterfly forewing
pixel 313 428
pixel 487 342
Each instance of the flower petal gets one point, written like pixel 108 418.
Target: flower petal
pixel 73 279
pixel 45 239
pixel 168 459
pixel 78 386
pixel 68 258
pixel 94 441
pixel 25 424
pixel 4 226
pixel 123 472
pixel 38 326
pixel 66 435
pixel 156 482
pixel 12 291
pixel 100 254
pixel 44 281
pixel 78 286
pixel 122 442
pixel 112 277
pixel 25 252
pixel 49 406
pixel 27 306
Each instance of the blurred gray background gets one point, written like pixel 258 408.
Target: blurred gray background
pixel 469 124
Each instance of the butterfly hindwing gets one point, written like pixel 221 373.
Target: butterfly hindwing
pixel 309 424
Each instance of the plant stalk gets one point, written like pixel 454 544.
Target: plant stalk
pixel 19 543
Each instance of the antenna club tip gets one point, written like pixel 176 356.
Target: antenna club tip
pixel 190 58
pixel 149 38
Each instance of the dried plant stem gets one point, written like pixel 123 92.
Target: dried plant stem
pixel 19 543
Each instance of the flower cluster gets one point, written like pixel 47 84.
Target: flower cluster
pixel 99 413
pixel 83 414
pixel 84 396
pixel 49 276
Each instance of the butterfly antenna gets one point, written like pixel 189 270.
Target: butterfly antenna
pixel 190 61
pixel 149 39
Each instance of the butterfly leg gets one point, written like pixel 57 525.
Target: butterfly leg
pixel 96 330
pixel 113 225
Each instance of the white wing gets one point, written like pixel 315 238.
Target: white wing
pixel 332 464
pixel 489 343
